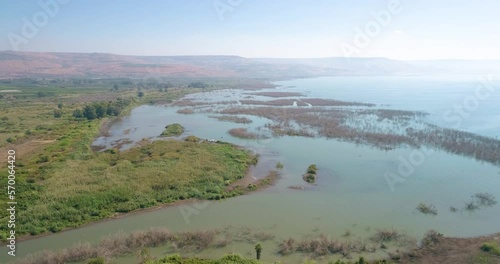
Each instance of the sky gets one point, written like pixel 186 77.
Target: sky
pixel 395 29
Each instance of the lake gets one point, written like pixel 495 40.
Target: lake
pixel 351 193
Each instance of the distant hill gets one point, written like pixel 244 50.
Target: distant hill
pixel 102 65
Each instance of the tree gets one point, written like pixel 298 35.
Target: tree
pixel 57 113
pixel 115 87
pixel 100 110
pixel 258 250
pixel 89 112
pixel 197 85
pixel 140 94
pixel 78 113
pixel 60 105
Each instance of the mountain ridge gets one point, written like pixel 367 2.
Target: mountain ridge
pixel 16 64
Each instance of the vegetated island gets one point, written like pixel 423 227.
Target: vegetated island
pixel 310 175
pixel 173 130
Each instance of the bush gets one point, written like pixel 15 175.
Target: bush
pixel 491 247
pixel 57 113
pixel 192 139
pixel 431 238
pixel 309 177
pixel 312 169
pixel 427 209
pixel 386 235
pixel 173 130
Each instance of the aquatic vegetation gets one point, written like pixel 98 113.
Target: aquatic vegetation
pixel 310 175
pixel 471 206
pixel 173 130
pixel 332 102
pixel 243 133
pixel 263 236
pixel 382 128
pixel 322 246
pixel 234 119
pixel 287 246
pixel 287 130
pixel 432 237
pixel 279 165
pixel 186 111
pixel 386 235
pixel 485 199
pixel 277 94
pixel 276 102
pixel 427 208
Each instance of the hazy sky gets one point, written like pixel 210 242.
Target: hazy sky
pixel 412 29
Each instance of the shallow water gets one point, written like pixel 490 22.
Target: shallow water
pixel 352 191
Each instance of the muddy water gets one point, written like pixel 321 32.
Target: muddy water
pixel 351 193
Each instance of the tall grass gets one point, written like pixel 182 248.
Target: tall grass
pixel 66 184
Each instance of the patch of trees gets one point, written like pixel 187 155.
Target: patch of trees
pixel 197 85
pixel 98 110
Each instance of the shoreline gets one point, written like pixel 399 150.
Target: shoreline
pixel 261 184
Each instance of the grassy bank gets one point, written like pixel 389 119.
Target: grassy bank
pixel 61 183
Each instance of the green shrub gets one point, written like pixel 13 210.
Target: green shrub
pixel 192 139
pixel 491 247
pixel 173 130
pixel 99 260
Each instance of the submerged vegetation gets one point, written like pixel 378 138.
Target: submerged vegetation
pixel 485 199
pixel 427 208
pixel 243 133
pixel 382 128
pixel 277 94
pixel 173 130
pixel 234 119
